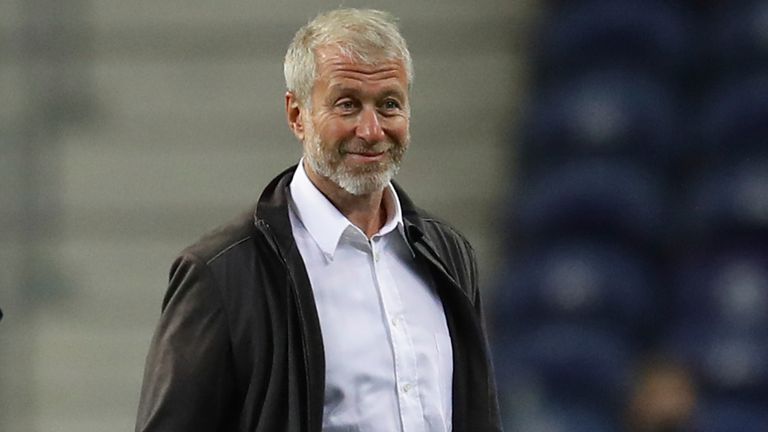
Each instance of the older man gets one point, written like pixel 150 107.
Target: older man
pixel 335 304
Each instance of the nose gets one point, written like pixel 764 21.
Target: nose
pixel 369 126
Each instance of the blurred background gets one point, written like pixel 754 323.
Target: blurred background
pixel 607 158
pixel 633 291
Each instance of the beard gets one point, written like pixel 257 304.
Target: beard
pixel 330 162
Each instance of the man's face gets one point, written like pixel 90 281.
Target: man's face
pixel 357 131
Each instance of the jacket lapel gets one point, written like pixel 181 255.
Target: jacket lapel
pixel 272 209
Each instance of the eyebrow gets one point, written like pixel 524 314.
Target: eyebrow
pixel 337 89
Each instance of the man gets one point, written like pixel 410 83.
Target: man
pixel 335 304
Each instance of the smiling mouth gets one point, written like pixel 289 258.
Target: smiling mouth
pixel 374 151
pixel 366 156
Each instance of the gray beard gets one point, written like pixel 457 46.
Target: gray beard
pixel 356 183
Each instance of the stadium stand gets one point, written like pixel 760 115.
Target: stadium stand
pixel 638 224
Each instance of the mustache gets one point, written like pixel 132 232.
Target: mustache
pixel 361 147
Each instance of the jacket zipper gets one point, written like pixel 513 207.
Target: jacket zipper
pixel 270 235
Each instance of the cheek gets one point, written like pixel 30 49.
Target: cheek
pixel 337 131
pixel 400 131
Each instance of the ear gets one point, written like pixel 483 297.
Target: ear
pixel 293 114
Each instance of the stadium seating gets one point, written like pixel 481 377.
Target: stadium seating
pixel 734 119
pixel 641 35
pixel 574 364
pixel 579 282
pixel 739 45
pixel 728 363
pixel 726 289
pixel 730 416
pixel 613 112
pixel 639 214
pixel 603 198
pixel 729 201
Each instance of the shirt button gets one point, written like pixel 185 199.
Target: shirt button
pixel 407 388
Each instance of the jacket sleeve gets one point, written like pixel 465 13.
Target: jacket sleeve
pixel 494 413
pixel 187 377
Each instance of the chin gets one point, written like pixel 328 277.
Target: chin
pixel 364 183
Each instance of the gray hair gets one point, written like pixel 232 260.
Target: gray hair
pixel 366 35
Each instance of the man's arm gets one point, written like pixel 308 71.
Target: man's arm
pixel 494 413
pixel 187 377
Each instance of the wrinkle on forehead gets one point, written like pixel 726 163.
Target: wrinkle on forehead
pixel 340 51
pixel 344 66
pixel 333 61
pixel 358 75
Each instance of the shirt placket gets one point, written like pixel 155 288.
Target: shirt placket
pixel 406 377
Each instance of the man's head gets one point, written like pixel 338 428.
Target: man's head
pixel 367 36
pixel 348 73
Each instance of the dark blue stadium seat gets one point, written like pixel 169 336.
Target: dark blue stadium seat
pixel 730 416
pixel 605 113
pixel 642 35
pixel 607 198
pixel 740 45
pixel 559 418
pixel 581 282
pixel 725 289
pixel 729 202
pixel 734 120
pixel 571 364
pixel 727 364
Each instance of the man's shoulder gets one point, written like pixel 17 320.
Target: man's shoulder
pixel 452 247
pixel 435 229
pixel 439 230
pixel 218 241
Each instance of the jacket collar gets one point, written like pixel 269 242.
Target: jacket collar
pixel 272 208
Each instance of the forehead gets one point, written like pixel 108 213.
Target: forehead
pixel 335 68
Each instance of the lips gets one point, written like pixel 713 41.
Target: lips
pixel 366 153
pixel 365 150
pixel 359 153
pixel 366 156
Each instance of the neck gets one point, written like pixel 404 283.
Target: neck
pixel 366 211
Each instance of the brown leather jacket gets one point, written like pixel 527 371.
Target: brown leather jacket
pixel 238 346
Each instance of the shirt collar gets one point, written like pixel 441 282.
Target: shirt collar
pixel 324 222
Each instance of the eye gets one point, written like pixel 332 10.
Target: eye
pixel 391 104
pixel 346 105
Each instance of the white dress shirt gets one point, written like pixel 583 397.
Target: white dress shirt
pixel 388 354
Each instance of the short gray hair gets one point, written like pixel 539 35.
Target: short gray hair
pixel 366 35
